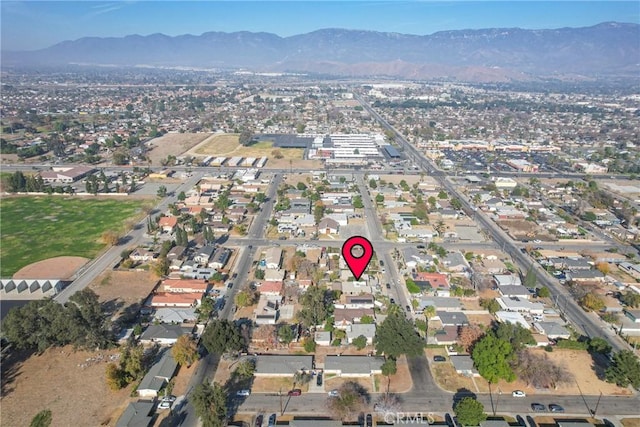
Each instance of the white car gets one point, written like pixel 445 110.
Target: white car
pixel 518 393
pixel 334 393
pixel 243 393
pixel 165 404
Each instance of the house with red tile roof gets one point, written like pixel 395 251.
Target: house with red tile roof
pixel 168 223
pixel 271 287
pixel 176 299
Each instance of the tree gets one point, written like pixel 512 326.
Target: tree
pixel 221 336
pixel 115 377
pixel 89 328
pixel 210 403
pixel 265 335
pixel 514 334
pixel 259 274
pixel 373 184
pixel 468 336
pixel 490 305
pixel 162 191
pixel 357 202
pixel 630 299
pixel 397 336
pixel 349 402
pixel 316 305
pixel 285 334
pixel 592 302
pixel 318 212
pixel 492 357
pixel 360 342
pixel 470 412
pixel 429 312
pixel 367 320
pixel 530 279
pixel 539 371
pixel 379 198
pixel 544 292
pixel 185 351
pixel 246 298
pixel 624 369
pixel 41 419
pixel 246 368
pixel 110 237
pixel 599 345
pixel 309 345
pixel 388 368
pixel 182 196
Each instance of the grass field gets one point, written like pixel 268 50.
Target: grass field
pixel 37 228
pixel 228 145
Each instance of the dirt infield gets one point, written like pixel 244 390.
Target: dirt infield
pixel 62 267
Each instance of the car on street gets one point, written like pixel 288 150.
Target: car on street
pixel 258 422
pixel 439 359
pixel 555 408
pixel 369 420
pixel 272 420
pixel 243 392
pixel 420 246
pixel 408 308
pixel 319 379
pixel 538 407
pixel 392 300
pixel 381 263
pixel 295 392
pixel 518 393
pixel 388 285
pixel 334 393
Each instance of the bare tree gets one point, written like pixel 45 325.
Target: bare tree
pixel 352 399
pixel 539 371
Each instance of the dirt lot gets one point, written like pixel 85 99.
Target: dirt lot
pixel 38 383
pixel 62 267
pixel 121 290
pixel 586 380
pixel 173 144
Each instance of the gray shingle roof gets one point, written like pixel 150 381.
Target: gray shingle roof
pixel 353 364
pixel 282 364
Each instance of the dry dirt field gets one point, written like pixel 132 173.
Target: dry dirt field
pixel 62 267
pixel 173 144
pixel 69 383
pixel 586 380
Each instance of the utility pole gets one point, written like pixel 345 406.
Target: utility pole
pixel 281 407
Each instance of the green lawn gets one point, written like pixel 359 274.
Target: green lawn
pixel 37 228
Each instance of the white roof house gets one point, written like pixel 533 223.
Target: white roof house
pixel 520 305
pixel 273 257
pixel 512 317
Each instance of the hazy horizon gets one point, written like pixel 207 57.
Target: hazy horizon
pixel 32 25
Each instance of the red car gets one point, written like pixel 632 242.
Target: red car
pixel 295 392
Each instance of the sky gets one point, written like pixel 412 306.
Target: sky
pixel 29 25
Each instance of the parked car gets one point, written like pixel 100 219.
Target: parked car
pixel 538 407
pixel 295 392
pixel 392 300
pixel 165 404
pixel 243 392
pixel 518 393
pixel 408 308
pixel 272 420
pixel 439 359
pixel 258 422
pixel 381 263
pixel 334 393
pixel 369 420
pixel 388 285
pixel 170 398
pixel 555 408
pixel 319 379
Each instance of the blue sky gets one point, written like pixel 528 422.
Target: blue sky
pixel 27 25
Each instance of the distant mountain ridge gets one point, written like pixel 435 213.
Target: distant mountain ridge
pixel 494 54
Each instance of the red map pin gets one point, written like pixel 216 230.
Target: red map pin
pixel 357 263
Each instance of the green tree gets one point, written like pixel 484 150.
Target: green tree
pixel 185 350
pixel 388 368
pixel 318 212
pixel 544 292
pixel 210 403
pixel 624 369
pixel 42 419
pixel 221 336
pixel 599 345
pixel 490 304
pixel 360 342
pixel 246 368
pixel 357 202
pixel 115 377
pixel 246 298
pixel 630 299
pixel 470 412
pixel 379 198
pixel 373 184
pixel 492 357
pixel 592 302
pixel 367 320
pixel 162 191
pixel 530 279
pixel 316 306
pixel 396 336
pixel 514 334
pixel 309 345
pixel 285 334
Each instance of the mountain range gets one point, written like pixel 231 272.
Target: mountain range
pixel 607 50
